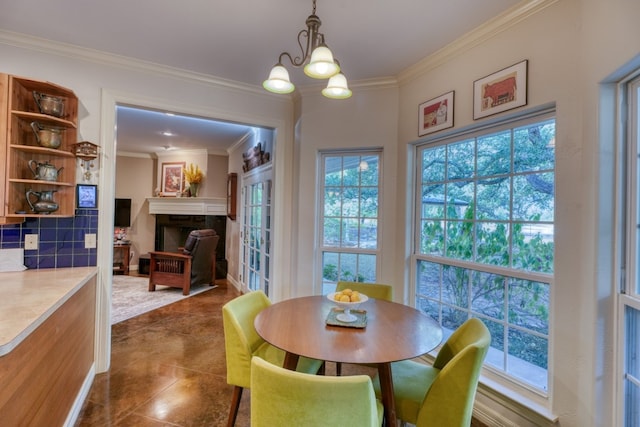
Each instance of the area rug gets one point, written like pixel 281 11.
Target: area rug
pixel 130 296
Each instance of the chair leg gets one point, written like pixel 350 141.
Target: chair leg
pixel 235 404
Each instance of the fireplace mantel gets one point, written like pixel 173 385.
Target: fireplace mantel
pixel 188 205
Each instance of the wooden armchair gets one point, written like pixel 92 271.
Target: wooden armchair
pixel 195 264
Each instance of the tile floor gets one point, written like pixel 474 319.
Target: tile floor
pixel 168 369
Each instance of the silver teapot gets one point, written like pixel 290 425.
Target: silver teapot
pixel 47 136
pixel 48 104
pixel 44 171
pixel 44 203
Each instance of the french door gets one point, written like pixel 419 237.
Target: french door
pixel 256 231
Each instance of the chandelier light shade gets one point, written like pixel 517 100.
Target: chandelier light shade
pixel 317 60
pixel 321 65
pixel 337 87
pixel 278 81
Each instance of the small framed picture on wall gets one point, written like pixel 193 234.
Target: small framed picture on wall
pixel 436 114
pixel 172 178
pixel 501 91
pixel 87 196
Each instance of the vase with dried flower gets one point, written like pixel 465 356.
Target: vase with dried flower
pixel 194 176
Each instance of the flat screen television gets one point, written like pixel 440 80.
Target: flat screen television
pixel 122 213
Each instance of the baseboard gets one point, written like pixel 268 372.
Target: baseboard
pixel 234 283
pixel 72 417
pixel 489 417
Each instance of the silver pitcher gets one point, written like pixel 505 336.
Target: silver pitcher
pixel 48 104
pixel 44 171
pixel 47 136
pixel 44 203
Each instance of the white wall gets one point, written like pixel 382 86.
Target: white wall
pixel 366 120
pixel 572 46
pixel 136 180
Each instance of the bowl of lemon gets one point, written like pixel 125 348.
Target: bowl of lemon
pixel 347 300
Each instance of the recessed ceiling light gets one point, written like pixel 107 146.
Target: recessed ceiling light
pixel 167 133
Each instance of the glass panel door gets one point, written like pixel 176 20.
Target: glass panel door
pixel 256 232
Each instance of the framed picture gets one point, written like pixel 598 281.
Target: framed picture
pixel 436 114
pixel 500 91
pixel 87 196
pixel 172 178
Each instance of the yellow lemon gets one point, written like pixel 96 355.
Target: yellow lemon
pixel 347 291
pixel 345 298
pixel 355 296
pixel 337 296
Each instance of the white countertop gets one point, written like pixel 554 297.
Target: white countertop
pixel 29 297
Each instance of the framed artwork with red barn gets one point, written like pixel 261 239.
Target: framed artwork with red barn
pixel 436 114
pixel 500 91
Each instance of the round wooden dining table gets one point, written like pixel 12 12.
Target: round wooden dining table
pixel 392 332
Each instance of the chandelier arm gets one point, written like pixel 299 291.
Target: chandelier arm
pixel 299 61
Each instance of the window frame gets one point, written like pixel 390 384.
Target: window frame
pixel 492 377
pixel 628 291
pixel 321 248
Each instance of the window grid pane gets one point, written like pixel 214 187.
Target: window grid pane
pixel 486 237
pixel 350 199
pixel 632 367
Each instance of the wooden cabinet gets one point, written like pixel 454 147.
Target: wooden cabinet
pixel 121 256
pixel 19 105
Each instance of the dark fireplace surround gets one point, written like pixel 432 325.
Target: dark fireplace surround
pixel 172 231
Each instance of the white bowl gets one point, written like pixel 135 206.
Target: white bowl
pixel 347 307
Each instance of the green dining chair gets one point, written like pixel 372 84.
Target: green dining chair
pixel 242 342
pixel 372 290
pixel 284 398
pixel 442 395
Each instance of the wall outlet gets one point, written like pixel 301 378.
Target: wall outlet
pixel 31 242
pixel 90 241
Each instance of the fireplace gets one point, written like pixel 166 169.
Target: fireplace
pixel 172 231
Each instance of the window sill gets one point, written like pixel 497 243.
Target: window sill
pixel 494 393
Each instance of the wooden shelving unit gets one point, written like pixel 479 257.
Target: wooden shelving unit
pixel 22 146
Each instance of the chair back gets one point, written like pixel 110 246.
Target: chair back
pixel 240 336
pixel 449 400
pixel 201 245
pixel 283 398
pixel 372 290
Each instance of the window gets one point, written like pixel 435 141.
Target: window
pixel 630 294
pixel 484 239
pixel 350 195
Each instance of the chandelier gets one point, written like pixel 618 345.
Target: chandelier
pixel 318 63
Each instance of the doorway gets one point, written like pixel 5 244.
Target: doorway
pixel 283 145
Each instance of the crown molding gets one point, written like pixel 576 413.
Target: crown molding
pixel 137 155
pixel 26 41
pixel 239 143
pixel 364 84
pixel 479 35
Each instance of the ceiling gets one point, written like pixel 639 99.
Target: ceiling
pixel 241 40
